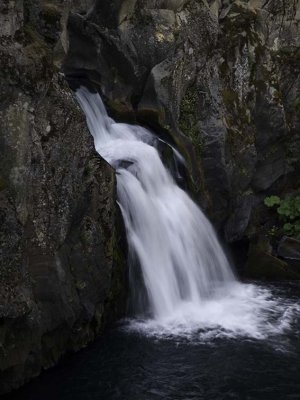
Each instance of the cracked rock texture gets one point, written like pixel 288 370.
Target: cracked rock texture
pixel 61 268
pixel 218 78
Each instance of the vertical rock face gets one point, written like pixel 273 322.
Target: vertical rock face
pixel 60 266
pixel 219 78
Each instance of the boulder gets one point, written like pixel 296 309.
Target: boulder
pixel 289 248
pixel 262 265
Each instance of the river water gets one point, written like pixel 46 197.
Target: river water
pixel 128 364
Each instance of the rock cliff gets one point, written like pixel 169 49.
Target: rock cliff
pixel 61 272
pixel 220 79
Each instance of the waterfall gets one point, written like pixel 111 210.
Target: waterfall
pixel 184 274
pixel 177 249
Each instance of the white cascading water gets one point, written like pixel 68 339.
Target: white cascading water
pixel 187 277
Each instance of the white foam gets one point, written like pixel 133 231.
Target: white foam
pixel 243 310
pixel 190 286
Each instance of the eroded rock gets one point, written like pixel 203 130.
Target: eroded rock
pixel 61 272
pixel 289 248
pixel 211 76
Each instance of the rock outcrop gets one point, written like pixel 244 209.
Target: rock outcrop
pixel 62 276
pixel 220 79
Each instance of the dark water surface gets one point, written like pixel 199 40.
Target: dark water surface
pixel 131 366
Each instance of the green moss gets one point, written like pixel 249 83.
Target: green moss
pixel 188 123
pixel 3 184
pixel 241 115
pixel 51 13
pixel 189 101
pixel 244 172
pixel 248 192
pixel 240 130
pixel 274 232
pixel 238 119
pixel 272 201
pixel 230 98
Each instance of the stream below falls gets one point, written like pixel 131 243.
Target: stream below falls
pixel 133 363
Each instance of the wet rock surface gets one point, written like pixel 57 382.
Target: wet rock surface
pixel 263 265
pixel 289 248
pixel 220 79
pixel 61 271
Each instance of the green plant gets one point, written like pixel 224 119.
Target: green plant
pixel 292 229
pixel 272 201
pixel 288 210
pixel 273 232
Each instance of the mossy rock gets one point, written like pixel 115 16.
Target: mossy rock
pixel 3 184
pixel 188 122
pixel 51 12
pixel 230 98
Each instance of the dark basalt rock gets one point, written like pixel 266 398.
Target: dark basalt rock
pixel 210 75
pixel 239 221
pixel 219 80
pixel 62 272
pixel 289 248
pixel 262 264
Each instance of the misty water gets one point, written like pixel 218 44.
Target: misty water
pixel 194 331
